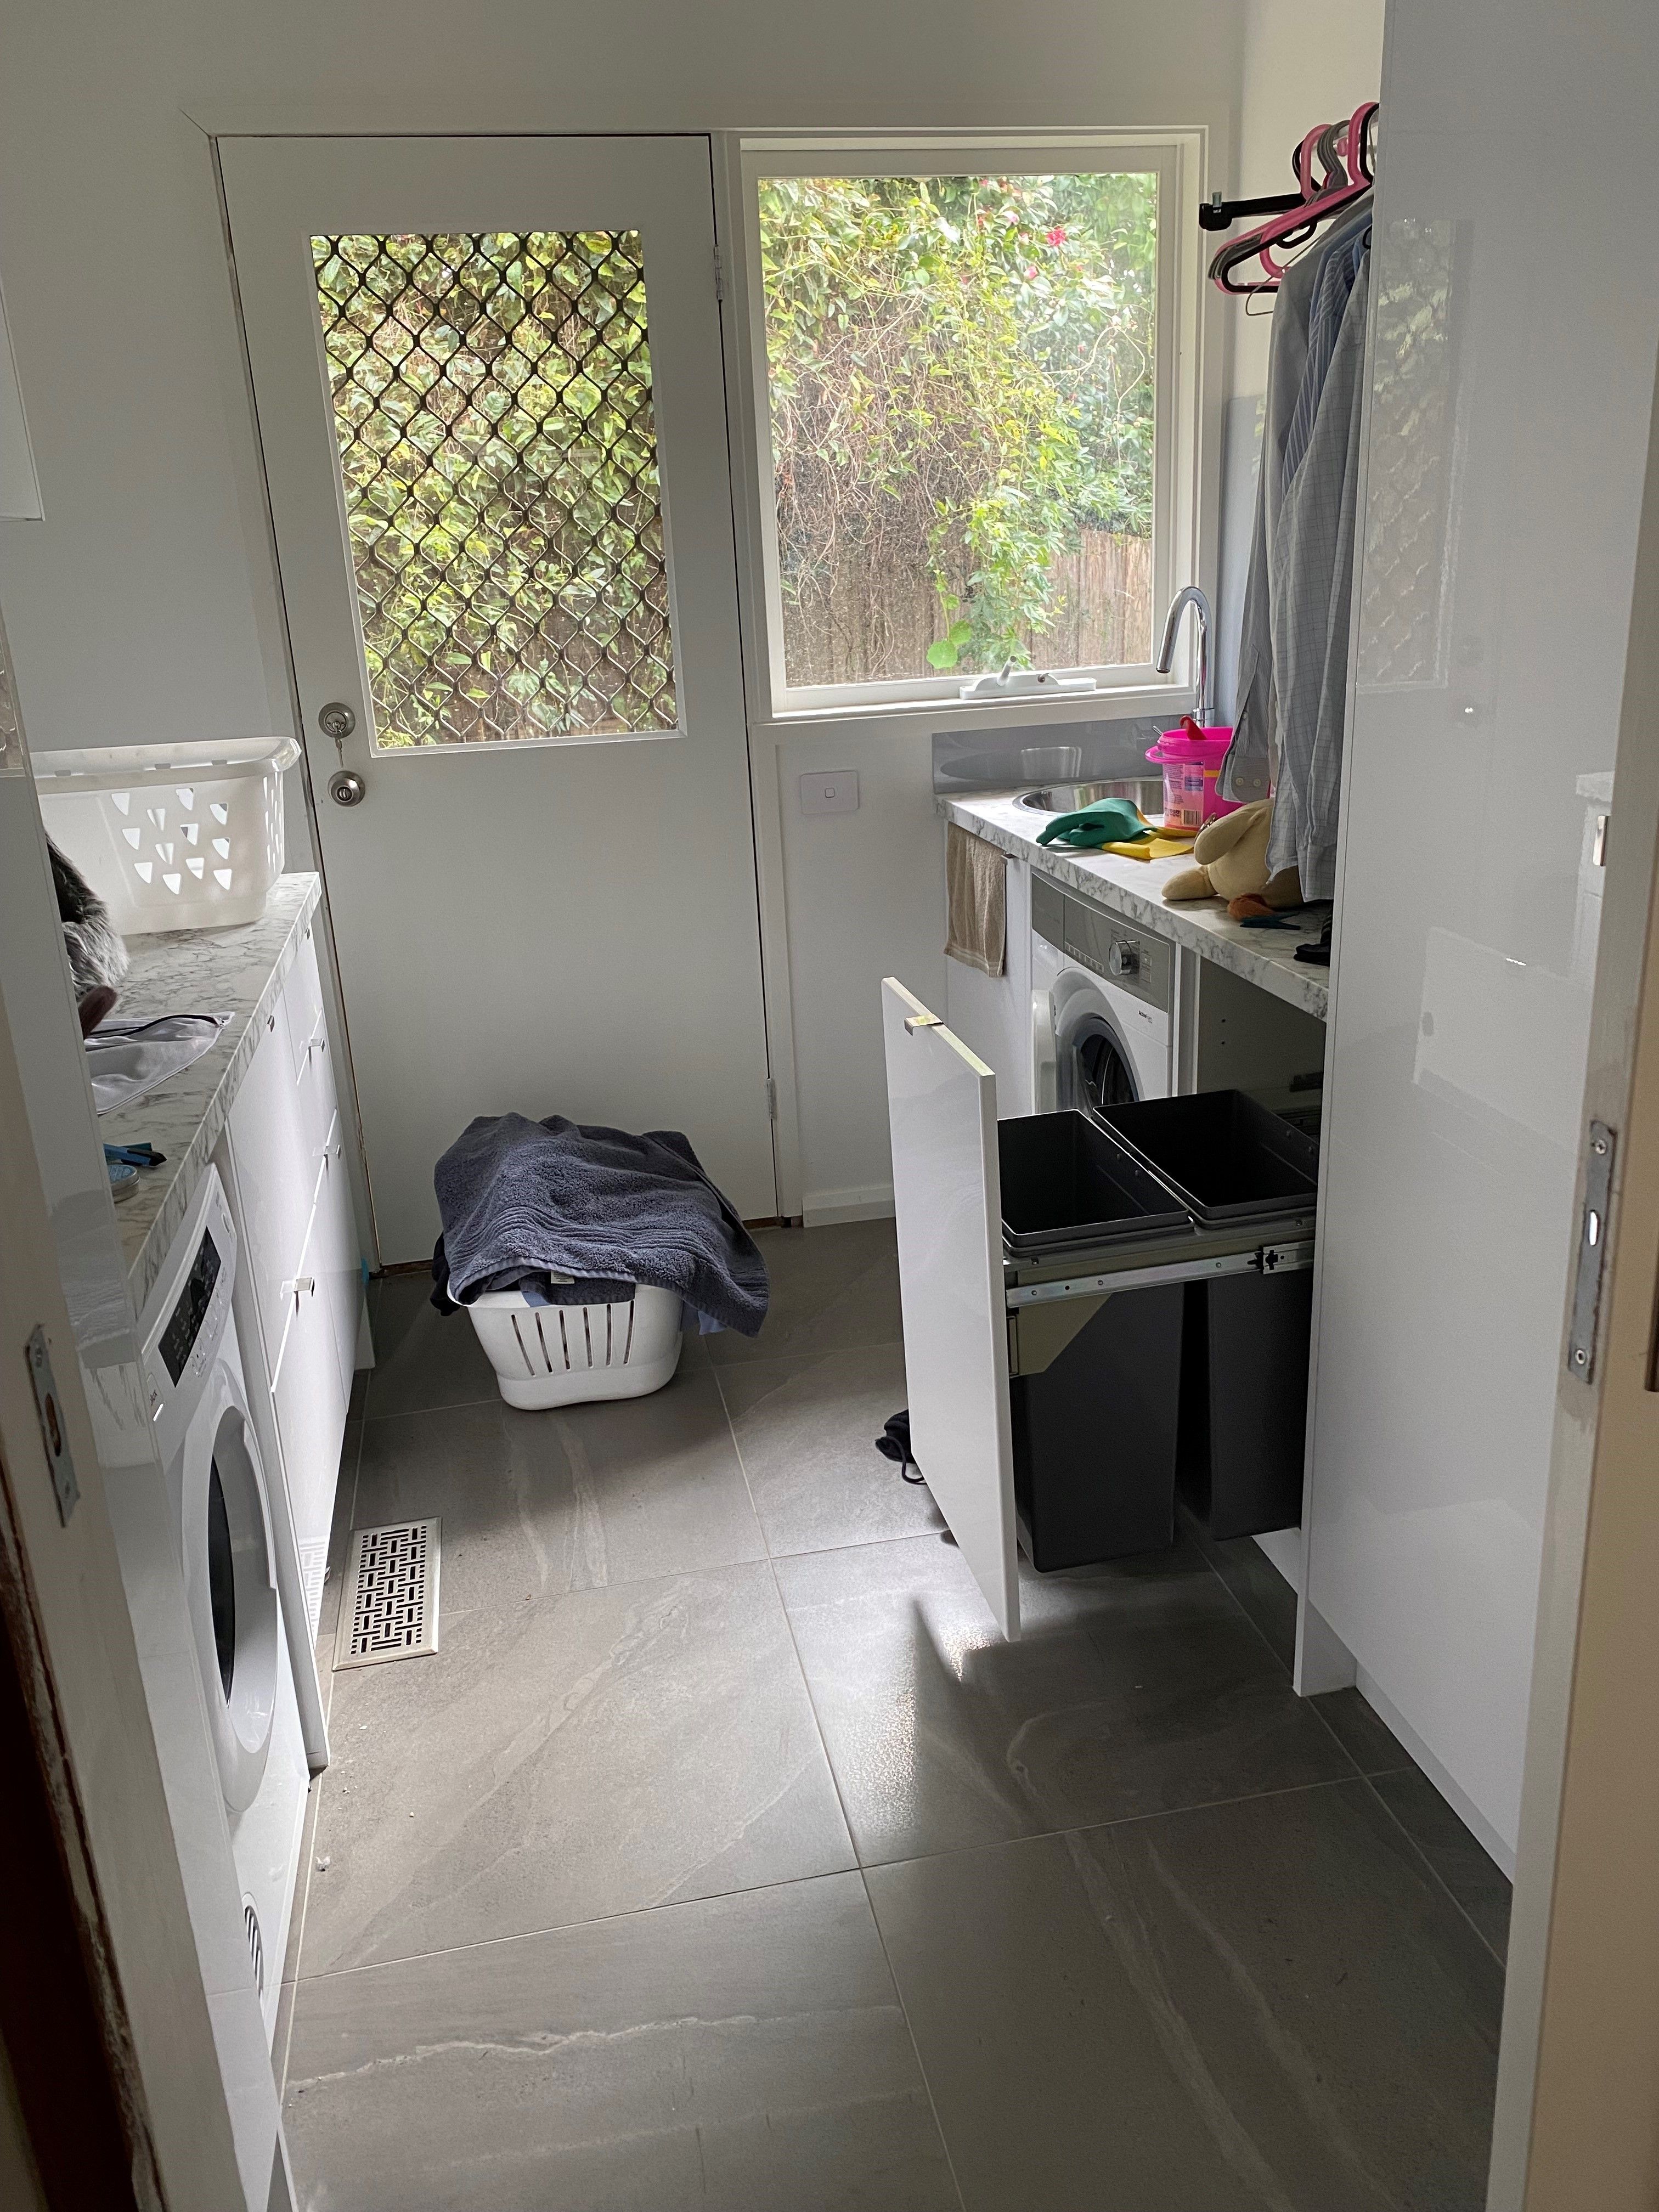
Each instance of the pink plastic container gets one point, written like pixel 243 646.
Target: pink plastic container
pixel 1191 760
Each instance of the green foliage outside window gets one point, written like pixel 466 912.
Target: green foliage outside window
pixel 961 374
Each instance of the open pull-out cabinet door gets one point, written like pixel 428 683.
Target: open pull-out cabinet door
pixel 942 1110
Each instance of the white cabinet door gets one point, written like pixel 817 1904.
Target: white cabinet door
pixel 310 1401
pixel 334 1233
pixel 947 1196
pixel 276 1170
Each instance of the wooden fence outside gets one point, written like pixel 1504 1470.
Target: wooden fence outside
pixel 865 629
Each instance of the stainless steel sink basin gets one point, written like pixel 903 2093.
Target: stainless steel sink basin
pixel 1067 797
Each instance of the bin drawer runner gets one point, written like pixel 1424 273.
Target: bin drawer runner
pixel 1280 1259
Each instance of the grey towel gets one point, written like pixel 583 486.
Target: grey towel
pixel 594 1202
pixel 976 894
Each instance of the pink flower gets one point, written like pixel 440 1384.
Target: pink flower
pixel 1030 275
pixel 1057 235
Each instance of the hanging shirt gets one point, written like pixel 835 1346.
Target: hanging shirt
pixel 1247 773
pixel 1312 594
pixel 1337 267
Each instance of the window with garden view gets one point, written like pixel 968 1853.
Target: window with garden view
pixel 961 381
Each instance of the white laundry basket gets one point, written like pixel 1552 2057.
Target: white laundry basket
pixel 564 1355
pixel 176 836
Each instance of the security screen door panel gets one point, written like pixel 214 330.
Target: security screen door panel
pixel 947 1198
pixel 491 397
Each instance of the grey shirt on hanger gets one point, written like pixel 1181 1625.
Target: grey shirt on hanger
pixel 1311 596
pixel 1247 772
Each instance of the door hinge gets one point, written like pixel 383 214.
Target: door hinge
pixel 771 1098
pixel 1592 1251
pixel 719 276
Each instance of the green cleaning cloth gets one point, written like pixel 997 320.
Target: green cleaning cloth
pixel 1108 822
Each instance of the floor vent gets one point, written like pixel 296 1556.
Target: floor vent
pixel 389 1606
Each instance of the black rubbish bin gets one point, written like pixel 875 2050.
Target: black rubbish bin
pixel 1243 1390
pixel 1097 1431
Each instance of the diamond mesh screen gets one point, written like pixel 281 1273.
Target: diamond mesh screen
pixel 492 398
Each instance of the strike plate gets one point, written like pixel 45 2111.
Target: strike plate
pixel 1592 1251
pixel 53 1434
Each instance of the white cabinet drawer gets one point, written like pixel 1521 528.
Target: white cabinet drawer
pixel 309 1399
pixel 276 1173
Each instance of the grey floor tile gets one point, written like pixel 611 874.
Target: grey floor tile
pixel 1364 1734
pixel 1132 1690
pixel 744 2054
pixel 537 1504
pixel 557 1760
pixel 1260 2005
pixel 832 1288
pixel 1256 1582
pixel 1474 1879
pixel 806 1428
pixel 422 1358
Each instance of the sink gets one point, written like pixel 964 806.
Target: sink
pixel 1147 793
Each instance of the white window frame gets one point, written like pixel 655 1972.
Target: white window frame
pixel 1177 158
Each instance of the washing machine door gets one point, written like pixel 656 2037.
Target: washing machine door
pixel 1094 1067
pixel 230 1582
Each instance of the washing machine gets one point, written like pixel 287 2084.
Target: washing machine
pixel 1102 1001
pixel 222 1509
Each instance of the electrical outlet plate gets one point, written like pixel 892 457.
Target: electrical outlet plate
pixel 832 791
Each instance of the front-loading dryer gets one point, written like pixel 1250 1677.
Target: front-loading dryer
pixel 1103 992
pixel 222 1523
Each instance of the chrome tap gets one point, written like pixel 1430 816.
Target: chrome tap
pixel 1190 596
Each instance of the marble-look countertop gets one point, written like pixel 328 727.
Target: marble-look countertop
pixel 1133 888
pixel 238 971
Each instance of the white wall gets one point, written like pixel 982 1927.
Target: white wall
pixel 145 606
pixel 1500 536
pixel 1304 62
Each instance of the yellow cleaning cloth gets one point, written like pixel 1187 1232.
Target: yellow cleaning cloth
pixel 1156 847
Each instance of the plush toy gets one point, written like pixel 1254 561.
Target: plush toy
pixel 1230 857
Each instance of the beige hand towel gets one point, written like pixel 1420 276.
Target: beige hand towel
pixel 976 885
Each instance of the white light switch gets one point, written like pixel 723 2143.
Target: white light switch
pixel 835 791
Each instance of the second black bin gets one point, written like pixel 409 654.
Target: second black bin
pixel 1200 1383
pixel 1244 1358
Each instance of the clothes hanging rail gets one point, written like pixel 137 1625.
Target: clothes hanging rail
pixel 1334 166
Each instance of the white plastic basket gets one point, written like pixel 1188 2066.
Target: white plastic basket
pixel 177 836
pixel 562 1355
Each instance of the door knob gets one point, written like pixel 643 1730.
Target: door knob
pixel 347 788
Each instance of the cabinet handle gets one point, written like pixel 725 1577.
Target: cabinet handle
pixel 302 1286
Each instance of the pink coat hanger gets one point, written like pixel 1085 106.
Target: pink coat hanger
pixel 1343 153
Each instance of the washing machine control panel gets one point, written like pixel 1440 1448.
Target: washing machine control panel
pixel 187 1312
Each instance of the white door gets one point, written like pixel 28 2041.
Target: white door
pixel 488 382
pixel 947 1198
